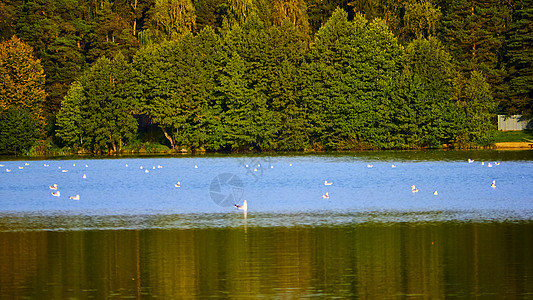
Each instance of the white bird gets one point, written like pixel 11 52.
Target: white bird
pixel 73 165
pixel 327 183
pixel 196 166
pixel 490 165
pixel 435 193
pixel 26 164
pixel 2 165
pixel 369 166
pixel 393 166
pixel 53 187
pixel 56 194
pixel 414 189
pixel 255 169
pixel 77 197
pixel 326 195
pixel 159 166
pixel 244 206
pixel 482 163
pixel 46 165
pixel 141 167
pixel 497 163
pixel 20 168
pixel 84 176
pixel 8 170
pixel 177 184
pixel 493 185
pixel 146 171
pixel 64 171
pixel 290 165
pixel 470 161
pixel 126 165
pixel 272 167
pixel 86 166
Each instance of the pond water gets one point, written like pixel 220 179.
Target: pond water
pixel 134 233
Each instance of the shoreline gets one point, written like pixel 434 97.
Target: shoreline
pixel 512 145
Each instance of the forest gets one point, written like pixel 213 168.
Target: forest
pixel 120 76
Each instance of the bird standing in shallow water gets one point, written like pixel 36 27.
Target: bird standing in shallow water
pixel 244 206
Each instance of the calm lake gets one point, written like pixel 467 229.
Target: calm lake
pixel 166 227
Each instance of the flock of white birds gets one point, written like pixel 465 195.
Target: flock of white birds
pixel 56 193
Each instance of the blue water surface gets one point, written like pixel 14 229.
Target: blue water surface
pixel 280 190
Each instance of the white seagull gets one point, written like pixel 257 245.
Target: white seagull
pixel 53 187
pixel 326 195
pixel 327 183
pixel 414 189
pixel 177 184
pixel 56 194
pixel 77 197
pixel 244 206
pixel 493 185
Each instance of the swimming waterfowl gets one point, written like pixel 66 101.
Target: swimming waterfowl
pixel 326 195
pixel 8 170
pixel 77 197
pixel 84 176
pixel 369 166
pixel 393 166
pixel 414 189
pixel 244 206
pixel 493 185
pixel 327 183
pixel 53 187
pixel 64 171
pixel 56 194
pixel 177 184
pixel 490 165
pixel 435 193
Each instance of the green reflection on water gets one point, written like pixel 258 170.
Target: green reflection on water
pixel 429 260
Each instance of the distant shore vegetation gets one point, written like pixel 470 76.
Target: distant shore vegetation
pixel 250 76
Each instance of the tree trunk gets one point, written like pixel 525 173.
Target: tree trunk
pixel 168 138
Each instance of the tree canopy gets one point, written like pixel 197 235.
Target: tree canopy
pixel 242 75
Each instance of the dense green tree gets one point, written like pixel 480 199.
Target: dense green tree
pixel 520 61
pixel 22 78
pixel 353 68
pixel 476 110
pixel 178 78
pixel 425 113
pixel 70 119
pixel 18 130
pixel 170 19
pixel 104 105
pixel 420 19
pixel 474 33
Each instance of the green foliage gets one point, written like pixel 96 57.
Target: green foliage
pixel 246 75
pixel 476 110
pixel 353 69
pixel 428 114
pixel 520 61
pixel 97 113
pixel 18 130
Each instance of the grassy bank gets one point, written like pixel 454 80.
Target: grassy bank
pixel 513 136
